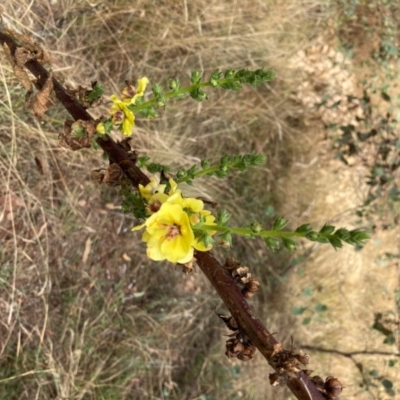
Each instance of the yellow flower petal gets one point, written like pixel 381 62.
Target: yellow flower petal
pixel 142 83
pixel 136 228
pixel 200 246
pixel 128 123
pixel 100 128
pixel 151 188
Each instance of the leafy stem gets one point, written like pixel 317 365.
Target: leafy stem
pixel 327 234
pixel 221 170
pixel 170 95
pixel 230 79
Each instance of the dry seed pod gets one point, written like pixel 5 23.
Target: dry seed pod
pixel 233 348
pixel 332 387
pixel 318 382
pixel 303 357
pixel 308 372
pixel 230 322
pixel 250 288
pixel 231 263
pixel 277 379
pixel 247 353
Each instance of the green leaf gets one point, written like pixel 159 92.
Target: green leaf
pixel 335 242
pixel 392 362
pixel 225 239
pixel 223 217
pixel 174 85
pixel 199 94
pixel 272 243
pixel 205 164
pixel 233 85
pixel 298 310
pixel 157 89
pixel 229 73
pixel 195 77
pixel 342 233
pixel 327 229
pixel 289 244
pixel 270 211
pixel 387 384
pixel 320 307
pixel 142 161
pixel 313 236
pixel 216 75
pixel 374 373
pixel 306 321
pixel 305 228
pixel 279 224
pixel 385 96
pixel 308 291
pixel 95 93
pixel 390 339
pixel 156 167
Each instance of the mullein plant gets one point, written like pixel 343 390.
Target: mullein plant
pixel 176 225
pixel 178 228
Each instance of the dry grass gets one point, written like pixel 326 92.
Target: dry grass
pixel 84 315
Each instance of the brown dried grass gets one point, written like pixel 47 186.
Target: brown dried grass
pixel 84 315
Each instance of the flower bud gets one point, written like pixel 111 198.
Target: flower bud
pixel 332 387
pixel 214 82
pixel 256 227
pixel 173 84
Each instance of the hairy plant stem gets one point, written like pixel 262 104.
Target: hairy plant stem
pixel 179 93
pixel 300 385
pixel 252 233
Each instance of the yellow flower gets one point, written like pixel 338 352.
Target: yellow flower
pixel 130 94
pixel 169 235
pixel 196 214
pixel 100 128
pixel 151 188
pixel 122 114
pixel 142 83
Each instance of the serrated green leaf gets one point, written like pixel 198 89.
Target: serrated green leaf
pixel 289 244
pixel 327 229
pixel 272 243
pixel 335 242
pixel 313 236
pixel 205 164
pixel 305 228
pixel 195 77
pixel 223 217
pixel 279 224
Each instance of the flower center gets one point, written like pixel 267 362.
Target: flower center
pixel 118 117
pixel 173 231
